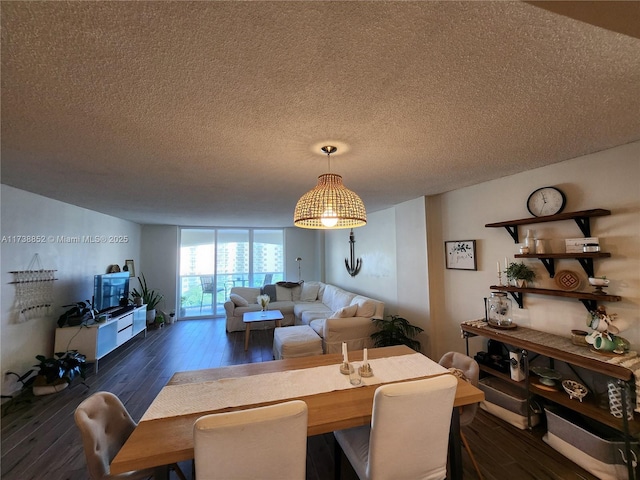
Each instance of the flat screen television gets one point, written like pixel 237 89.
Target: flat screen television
pixel 109 289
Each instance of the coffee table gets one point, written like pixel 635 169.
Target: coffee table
pixel 249 317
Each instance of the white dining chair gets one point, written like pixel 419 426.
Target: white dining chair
pixel 409 432
pixel 468 368
pixel 267 443
pixel 105 424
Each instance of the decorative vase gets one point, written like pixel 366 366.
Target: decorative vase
pixel 520 283
pixel 151 316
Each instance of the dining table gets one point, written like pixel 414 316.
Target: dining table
pixel 164 435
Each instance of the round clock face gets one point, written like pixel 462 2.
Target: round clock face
pixel 546 201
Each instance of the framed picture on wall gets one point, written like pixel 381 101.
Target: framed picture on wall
pixel 460 254
pixel 129 267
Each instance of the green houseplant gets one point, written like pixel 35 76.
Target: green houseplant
pixel 149 296
pixel 395 331
pixel 54 373
pixel 520 273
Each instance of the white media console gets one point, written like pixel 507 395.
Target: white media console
pixel 97 339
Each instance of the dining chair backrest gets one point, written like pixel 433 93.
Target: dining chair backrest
pixel 410 429
pixel 264 442
pixel 104 425
pixel 471 371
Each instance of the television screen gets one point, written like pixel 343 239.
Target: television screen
pixel 109 289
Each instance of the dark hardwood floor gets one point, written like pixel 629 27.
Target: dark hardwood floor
pixel 40 439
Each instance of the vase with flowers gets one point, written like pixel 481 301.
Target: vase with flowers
pixel 263 301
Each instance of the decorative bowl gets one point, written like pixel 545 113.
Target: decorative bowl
pixel 574 389
pixel 547 375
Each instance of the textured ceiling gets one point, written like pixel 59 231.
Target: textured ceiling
pixel 213 113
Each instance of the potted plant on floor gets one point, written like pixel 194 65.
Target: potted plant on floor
pixel 150 297
pixel 396 331
pixel 520 274
pixel 55 373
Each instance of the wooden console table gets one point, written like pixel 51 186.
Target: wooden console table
pixel 560 348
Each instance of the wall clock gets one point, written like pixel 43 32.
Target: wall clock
pixel 546 201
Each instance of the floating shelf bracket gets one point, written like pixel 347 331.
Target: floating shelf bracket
pixel 590 305
pixel 549 265
pixel 587 264
pixel 584 225
pixel 513 231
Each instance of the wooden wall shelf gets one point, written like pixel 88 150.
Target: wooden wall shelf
pixel 547 259
pixel 590 300
pixel 581 218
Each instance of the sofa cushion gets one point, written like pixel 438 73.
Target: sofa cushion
pixel 309 292
pixel 318 326
pixel 248 293
pixel 237 300
pixel 309 316
pixel 335 298
pixel 366 306
pixel 346 312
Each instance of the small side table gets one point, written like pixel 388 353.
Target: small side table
pixel 250 317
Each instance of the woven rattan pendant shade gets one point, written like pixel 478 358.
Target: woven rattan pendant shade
pixel 329 205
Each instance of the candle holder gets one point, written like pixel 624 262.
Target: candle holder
pixel 366 371
pixel 500 279
pixel 346 368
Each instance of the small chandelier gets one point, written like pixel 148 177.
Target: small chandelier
pixel 330 204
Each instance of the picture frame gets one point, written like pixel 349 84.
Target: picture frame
pixel 460 255
pixel 130 267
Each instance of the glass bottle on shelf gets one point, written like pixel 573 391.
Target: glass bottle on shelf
pixel 530 241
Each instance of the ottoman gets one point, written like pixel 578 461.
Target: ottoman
pixel 297 341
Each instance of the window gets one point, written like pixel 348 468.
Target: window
pixel 212 261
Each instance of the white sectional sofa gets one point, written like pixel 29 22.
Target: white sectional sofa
pixel 336 315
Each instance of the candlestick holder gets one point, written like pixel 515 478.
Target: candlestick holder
pixel 366 371
pixel 500 279
pixel 346 368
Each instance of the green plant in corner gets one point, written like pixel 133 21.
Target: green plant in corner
pixel 149 296
pixel 396 331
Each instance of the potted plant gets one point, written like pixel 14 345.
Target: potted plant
pixel 149 296
pixel 396 331
pixel 520 274
pixel 55 373
pixel 77 314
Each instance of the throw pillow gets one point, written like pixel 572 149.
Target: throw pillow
pixel 283 293
pixel 366 307
pixel 346 312
pixel 271 291
pixel 238 301
pixel 309 292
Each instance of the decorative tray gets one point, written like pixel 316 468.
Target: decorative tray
pixel 567 280
pixel 547 375
pixel 510 326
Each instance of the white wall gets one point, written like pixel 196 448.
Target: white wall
pixel 305 244
pixel 24 213
pixel 159 263
pixel 609 179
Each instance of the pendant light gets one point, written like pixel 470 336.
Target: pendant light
pixel 330 204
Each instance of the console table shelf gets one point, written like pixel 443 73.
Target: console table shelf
pixel 559 348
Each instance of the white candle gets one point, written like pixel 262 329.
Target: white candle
pixel 498 263
pixel 364 357
pixel 505 264
pixel 344 352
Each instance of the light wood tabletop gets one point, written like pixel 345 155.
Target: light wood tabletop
pixel 327 411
